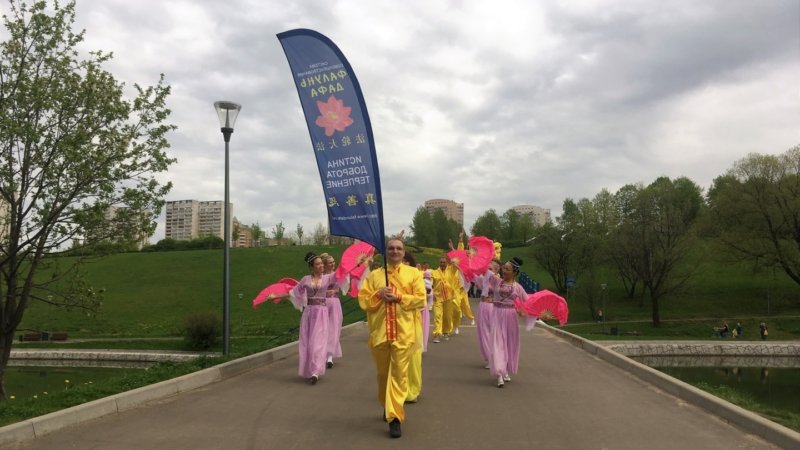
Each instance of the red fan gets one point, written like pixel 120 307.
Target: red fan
pixel 481 253
pixel 275 291
pixel 545 303
pixel 353 261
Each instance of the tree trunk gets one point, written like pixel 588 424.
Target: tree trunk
pixel 6 339
pixel 656 315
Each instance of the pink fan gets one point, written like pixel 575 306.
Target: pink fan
pixel 353 259
pixel 481 253
pixel 275 291
pixel 545 303
pixel 460 259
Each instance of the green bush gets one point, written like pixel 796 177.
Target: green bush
pixel 201 330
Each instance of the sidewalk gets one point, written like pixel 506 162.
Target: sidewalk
pixel 563 398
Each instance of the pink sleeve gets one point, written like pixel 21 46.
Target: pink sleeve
pixel 298 295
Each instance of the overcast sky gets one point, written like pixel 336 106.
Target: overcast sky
pixel 489 103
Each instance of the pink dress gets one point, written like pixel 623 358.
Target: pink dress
pixel 426 311
pixel 484 315
pixel 504 350
pixel 334 348
pixel 313 340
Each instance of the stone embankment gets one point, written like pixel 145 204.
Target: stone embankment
pixel 711 354
pixel 98 358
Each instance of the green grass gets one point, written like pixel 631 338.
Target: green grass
pixel 148 295
pixel 20 409
pixel 787 418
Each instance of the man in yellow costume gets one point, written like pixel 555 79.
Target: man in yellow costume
pixel 442 301
pixel 415 365
pixel 392 335
pixel 461 297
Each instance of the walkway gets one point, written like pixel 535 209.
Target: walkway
pixel 563 398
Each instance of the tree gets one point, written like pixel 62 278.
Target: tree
pixel 237 228
pixel 623 201
pixel 755 210
pixel 299 231
pixel 444 229
pixel 655 236
pixel 552 253
pixel 489 225
pixel 320 236
pixel 258 234
pixel 278 231
pixel 586 228
pixel 71 148
pixel 423 229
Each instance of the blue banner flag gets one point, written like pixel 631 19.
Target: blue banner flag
pixel 341 135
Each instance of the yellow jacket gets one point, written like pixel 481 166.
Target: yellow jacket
pixel 392 322
pixel 442 289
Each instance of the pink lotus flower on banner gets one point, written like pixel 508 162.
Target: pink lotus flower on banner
pixel 334 115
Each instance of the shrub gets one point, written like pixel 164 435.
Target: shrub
pixel 201 330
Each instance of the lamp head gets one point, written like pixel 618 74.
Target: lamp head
pixel 227 113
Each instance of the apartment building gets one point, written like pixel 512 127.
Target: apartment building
pixel 191 219
pixel 451 209
pixel 539 216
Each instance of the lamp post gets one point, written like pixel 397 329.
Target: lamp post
pixel 603 288
pixel 227 112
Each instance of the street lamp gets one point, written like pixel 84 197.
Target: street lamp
pixel 227 112
pixel 603 288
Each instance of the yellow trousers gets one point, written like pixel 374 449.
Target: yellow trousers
pixel 391 363
pixel 438 313
pixel 451 316
pixel 466 309
pixel 415 365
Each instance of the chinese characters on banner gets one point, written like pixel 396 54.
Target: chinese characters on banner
pixel 341 135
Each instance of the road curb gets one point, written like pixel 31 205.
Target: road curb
pixel 740 417
pixel 39 426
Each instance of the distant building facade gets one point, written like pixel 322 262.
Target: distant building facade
pixel 539 216
pixel 142 237
pixel 191 219
pixel 451 209
pixel 243 235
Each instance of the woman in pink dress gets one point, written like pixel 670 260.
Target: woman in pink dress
pixel 309 296
pixel 485 284
pixel 334 347
pixel 504 351
pixel 426 311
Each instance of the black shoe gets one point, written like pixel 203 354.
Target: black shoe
pixel 313 379
pixel 394 429
pixel 329 364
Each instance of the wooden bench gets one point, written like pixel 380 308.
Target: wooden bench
pixel 58 336
pixel 29 337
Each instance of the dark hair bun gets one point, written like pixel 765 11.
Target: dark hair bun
pixel 310 257
pixel 518 261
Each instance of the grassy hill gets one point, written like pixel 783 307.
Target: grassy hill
pixel 150 294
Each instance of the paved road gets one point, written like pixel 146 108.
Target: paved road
pixel 563 398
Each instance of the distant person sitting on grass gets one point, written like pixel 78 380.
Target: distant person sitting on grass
pixel 738 329
pixel 723 330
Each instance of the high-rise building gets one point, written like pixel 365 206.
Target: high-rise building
pixel 451 209
pixel 181 220
pixel 539 216
pixel 190 219
pixel 211 218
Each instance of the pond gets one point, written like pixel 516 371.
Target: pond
pixel 23 382
pixel 772 382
